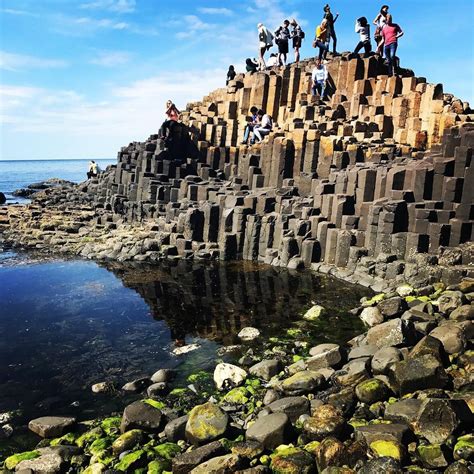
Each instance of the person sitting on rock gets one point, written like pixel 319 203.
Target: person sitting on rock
pixel 320 39
pixel 390 34
pixel 363 28
pixel 230 74
pixel 251 66
pixel 319 77
pixel 250 124
pixel 92 170
pixel 263 128
pixel 380 21
pixel 331 19
pixel 273 60
pixel 172 116
pixel 297 35
pixel 265 42
pixel 282 35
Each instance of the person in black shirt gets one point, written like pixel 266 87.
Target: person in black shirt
pixel 297 36
pixel 282 36
pixel 331 19
pixel 230 74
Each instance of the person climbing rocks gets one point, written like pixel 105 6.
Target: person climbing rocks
pixel 363 28
pixel 297 36
pixel 331 20
pixel 320 39
pixel 390 34
pixel 263 128
pixel 265 42
pixel 282 35
pixel 251 66
pixel 380 21
pixel 172 116
pixel 253 121
pixel 230 74
pixel 319 77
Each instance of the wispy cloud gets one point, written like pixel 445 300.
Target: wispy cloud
pixel 12 11
pixel 19 62
pixel 215 11
pixel 102 23
pixel 111 58
pixel 119 6
pixel 193 25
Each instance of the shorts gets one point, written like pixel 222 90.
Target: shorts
pixel 283 47
pixel 296 42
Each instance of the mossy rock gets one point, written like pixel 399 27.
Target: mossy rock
pixel 371 391
pixel 178 392
pixel 386 448
pixel 155 403
pixel 314 313
pixel 464 448
pixel 374 300
pixel 89 437
pixel 100 446
pixel 247 449
pixel 312 447
pixel 111 425
pixel 206 422
pixel 200 376
pixel 68 439
pixel 237 396
pixel 127 441
pixel 131 461
pixel 96 468
pixel 431 456
pixel 13 460
pixel 158 466
pixel 167 450
pixel 291 460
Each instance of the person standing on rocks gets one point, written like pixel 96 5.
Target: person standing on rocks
pixel 331 19
pixel 363 28
pixel 250 124
pixel 297 35
pixel 380 21
pixel 172 116
pixel 263 128
pixel 320 40
pixel 319 77
pixel 282 35
pixel 265 42
pixel 390 34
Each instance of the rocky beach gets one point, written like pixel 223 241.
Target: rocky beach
pixel 372 187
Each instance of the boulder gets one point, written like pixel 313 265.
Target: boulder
pixel 371 391
pixel 137 385
pixel 161 375
pixel 327 420
pixel 323 356
pixel 463 313
pixel 364 350
pixel 396 332
pixel 157 389
pixel 186 462
pixel 418 373
pixel 51 426
pixel 387 465
pixel 430 346
pixel 228 376
pixel 227 464
pixel 292 460
pixel 464 448
pixel 404 411
pixel 466 285
pixel 432 456
pixel 141 415
pixel 314 313
pixel 451 336
pixel 175 430
pixel 449 301
pixel 45 464
pixel 270 430
pixel 248 334
pixel 127 441
pixel 371 316
pixel 398 432
pixel 352 373
pixel 265 369
pixel 206 423
pixel 302 382
pixel 331 452
pixel 388 448
pixel 384 358
pixel 392 307
pixel 293 407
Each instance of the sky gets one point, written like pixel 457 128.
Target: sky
pixel 81 78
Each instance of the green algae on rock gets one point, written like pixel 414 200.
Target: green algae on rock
pixel 12 461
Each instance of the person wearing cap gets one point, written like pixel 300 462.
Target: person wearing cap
pixel 265 42
pixel 297 35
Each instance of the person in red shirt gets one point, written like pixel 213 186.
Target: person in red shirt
pixel 390 34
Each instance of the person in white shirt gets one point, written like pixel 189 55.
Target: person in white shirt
pixel 363 28
pixel 319 77
pixel 265 42
pixel 273 60
pixel 264 126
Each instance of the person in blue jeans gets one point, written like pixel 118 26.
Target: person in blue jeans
pixel 390 34
pixel 319 77
pixel 250 125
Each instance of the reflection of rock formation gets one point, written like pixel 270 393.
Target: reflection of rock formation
pixel 216 301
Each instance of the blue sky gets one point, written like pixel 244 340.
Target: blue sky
pixel 80 79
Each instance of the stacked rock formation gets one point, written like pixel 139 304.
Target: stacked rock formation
pixel 376 181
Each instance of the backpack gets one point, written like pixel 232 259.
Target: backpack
pixel 302 34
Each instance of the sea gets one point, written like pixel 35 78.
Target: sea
pixel 17 174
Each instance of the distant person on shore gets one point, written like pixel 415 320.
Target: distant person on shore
pixel 250 65
pixel 230 74
pixel 331 19
pixel 320 39
pixel 390 34
pixel 380 21
pixel 265 42
pixel 297 35
pixel 263 128
pixel 93 170
pixel 363 28
pixel 319 77
pixel 250 124
pixel 282 35
pixel 172 116
pixel 272 60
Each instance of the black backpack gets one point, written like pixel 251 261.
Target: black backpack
pixel 302 35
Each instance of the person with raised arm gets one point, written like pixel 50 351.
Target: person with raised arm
pixel 331 20
pixel 363 28
pixel 320 39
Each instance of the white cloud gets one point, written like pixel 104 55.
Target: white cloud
pixel 193 25
pixel 12 11
pixel 111 58
pixel 215 11
pixel 102 23
pixel 119 6
pixel 18 62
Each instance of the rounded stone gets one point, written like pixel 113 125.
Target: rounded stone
pixel 141 415
pixel 314 313
pixel 228 376
pixel 292 460
pixel 269 430
pixel 371 391
pixel 384 358
pixel 326 421
pixel 249 334
pixel 371 316
pixel 302 382
pixel 206 423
